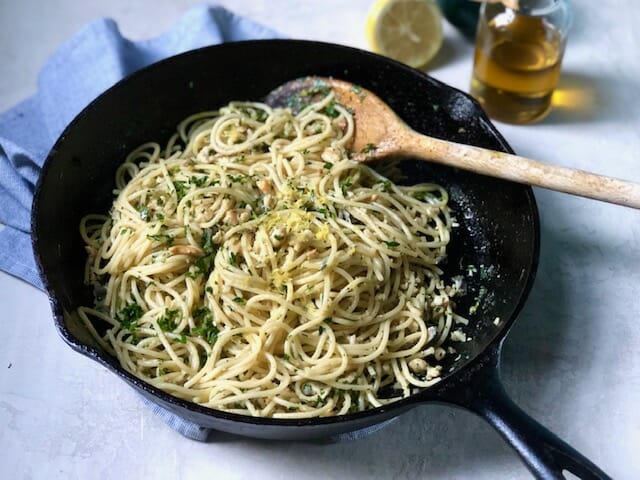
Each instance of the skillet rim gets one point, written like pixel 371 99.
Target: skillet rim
pixel 451 381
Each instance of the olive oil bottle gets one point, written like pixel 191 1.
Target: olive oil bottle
pixel 517 60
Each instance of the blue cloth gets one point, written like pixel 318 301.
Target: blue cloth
pixel 81 69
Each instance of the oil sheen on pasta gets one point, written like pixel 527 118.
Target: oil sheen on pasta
pixel 250 266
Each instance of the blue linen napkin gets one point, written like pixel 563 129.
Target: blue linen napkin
pixel 82 68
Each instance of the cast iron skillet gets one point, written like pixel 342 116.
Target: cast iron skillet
pixel 498 233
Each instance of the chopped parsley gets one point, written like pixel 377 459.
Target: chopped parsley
pixel 205 328
pixel 162 237
pixel 181 189
pixel 261 115
pixel 198 181
pixel 232 258
pixel 422 196
pixel 238 178
pixel 355 399
pixel 484 272
pixel 204 265
pixel 358 91
pixel 391 244
pixel 285 357
pixel 330 110
pixel 129 316
pixel 240 300
pixel 345 184
pixel 169 320
pixel 328 165
pixel 321 402
pixel 368 148
pixel 255 113
pixel 207 242
pixel 386 185
pixel 327 213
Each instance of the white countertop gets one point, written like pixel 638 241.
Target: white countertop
pixel 572 360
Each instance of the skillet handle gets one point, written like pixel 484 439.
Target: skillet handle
pixel 546 455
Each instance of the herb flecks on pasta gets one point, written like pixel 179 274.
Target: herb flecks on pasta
pixel 250 266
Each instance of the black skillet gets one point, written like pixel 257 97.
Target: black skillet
pixel 498 234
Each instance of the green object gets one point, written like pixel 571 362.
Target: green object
pixel 462 14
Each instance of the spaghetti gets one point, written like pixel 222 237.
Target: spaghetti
pixel 250 266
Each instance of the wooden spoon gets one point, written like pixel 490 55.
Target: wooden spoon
pixel 379 132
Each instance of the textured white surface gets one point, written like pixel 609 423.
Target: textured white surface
pixel 572 360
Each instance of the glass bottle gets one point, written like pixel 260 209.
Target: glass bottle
pixel 518 57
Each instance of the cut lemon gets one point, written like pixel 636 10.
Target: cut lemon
pixel 409 31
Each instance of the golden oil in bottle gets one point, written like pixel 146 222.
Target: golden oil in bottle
pixel 516 65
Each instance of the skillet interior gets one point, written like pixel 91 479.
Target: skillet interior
pixel 498 232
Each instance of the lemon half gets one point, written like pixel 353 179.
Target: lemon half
pixel 409 31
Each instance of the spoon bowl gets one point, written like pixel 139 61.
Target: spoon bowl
pixel 380 133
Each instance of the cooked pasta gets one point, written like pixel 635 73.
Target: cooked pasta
pixel 250 266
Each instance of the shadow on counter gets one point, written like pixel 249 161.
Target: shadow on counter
pixel 591 99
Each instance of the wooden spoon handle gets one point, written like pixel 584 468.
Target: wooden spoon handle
pixel 522 170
